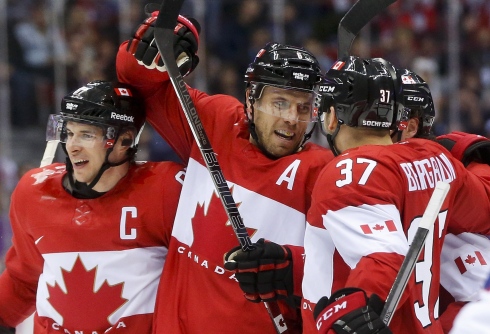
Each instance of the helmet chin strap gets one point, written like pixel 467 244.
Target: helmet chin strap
pixel 306 137
pixel 331 139
pixel 398 135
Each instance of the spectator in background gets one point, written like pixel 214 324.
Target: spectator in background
pixel 240 19
pixel 93 43
pixel 225 80
pixel 318 49
pixel 159 149
pixel 8 180
pixel 428 69
pixel 471 116
pixel 32 54
pixel 295 31
pixel 404 32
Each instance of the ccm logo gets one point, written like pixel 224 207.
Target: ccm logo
pixel 329 312
pixel 415 98
pixel 327 89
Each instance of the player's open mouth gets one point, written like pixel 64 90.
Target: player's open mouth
pixel 80 163
pixel 285 134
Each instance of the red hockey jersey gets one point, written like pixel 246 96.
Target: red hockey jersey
pixel 197 295
pixel 366 204
pixel 89 265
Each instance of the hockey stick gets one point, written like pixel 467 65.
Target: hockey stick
pixel 408 264
pixel 354 20
pixel 164 33
pixel 49 152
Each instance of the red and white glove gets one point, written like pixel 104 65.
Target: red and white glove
pixel 186 41
pixel 466 147
pixel 349 310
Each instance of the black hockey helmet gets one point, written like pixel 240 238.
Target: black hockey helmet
pixel 283 66
pixel 362 92
pixel 113 106
pixel 414 100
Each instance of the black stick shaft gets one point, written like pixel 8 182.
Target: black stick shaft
pixel 354 20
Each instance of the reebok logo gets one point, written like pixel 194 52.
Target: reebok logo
pixel 122 117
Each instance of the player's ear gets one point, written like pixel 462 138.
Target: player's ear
pixel 331 120
pixel 412 127
pixel 248 103
pixel 126 140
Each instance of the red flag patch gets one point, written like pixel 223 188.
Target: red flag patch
pixel 260 53
pixel 338 65
pixel 388 225
pixel 123 92
pixel 408 80
pixel 470 260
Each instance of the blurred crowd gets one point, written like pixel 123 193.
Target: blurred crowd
pixel 75 41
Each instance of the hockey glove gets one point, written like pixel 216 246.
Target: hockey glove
pixel 264 273
pixel 350 311
pixel 186 41
pixel 467 147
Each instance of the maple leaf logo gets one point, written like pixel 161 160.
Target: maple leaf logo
pixel 378 227
pixel 213 227
pixel 81 307
pixel 470 259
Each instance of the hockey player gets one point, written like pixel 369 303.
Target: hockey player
pixel 367 202
pixel 261 149
pixel 90 237
pixel 465 258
